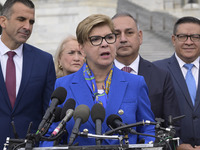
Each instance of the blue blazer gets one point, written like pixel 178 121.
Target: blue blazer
pixel 37 85
pixel 128 92
pixel 190 132
pixel 161 91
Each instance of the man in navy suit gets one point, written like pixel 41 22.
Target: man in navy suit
pixel 34 69
pixel 161 91
pixel 186 41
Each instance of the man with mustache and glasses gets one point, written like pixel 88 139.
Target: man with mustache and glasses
pixel 27 74
pixel 161 91
pixel 184 69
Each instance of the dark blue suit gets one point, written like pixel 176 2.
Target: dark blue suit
pixel 37 84
pixel 161 91
pixel 128 92
pixel 190 132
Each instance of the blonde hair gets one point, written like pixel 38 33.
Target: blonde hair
pixel 84 27
pixel 58 67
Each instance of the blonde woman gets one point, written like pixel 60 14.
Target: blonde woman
pixel 99 81
pixel 68 58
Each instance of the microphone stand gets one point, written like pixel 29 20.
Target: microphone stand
pixel 167 133
pixel 90 135
pixel 32 138
pixel 123 132
pixel 46 126
pixel 139 124
pixel 142 123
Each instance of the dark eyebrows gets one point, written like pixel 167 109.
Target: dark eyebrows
pixel 126 30
pixel 21 18
pixel 129 29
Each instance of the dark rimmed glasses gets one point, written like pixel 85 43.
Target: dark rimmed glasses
pixel 184 37
pixel 97 40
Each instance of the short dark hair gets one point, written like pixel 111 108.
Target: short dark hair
pixel 125 14
pixel 6 9
pixel 187 19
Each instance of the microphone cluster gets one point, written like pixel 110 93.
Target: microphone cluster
pixel 80 115
pixel 57 98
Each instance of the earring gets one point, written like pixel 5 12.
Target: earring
pixel 60 67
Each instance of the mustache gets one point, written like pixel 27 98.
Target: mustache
pixel 24 31
pixel 123 46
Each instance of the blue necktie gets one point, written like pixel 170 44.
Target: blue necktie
pixel 190 81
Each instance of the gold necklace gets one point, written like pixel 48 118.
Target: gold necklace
pixel 102 81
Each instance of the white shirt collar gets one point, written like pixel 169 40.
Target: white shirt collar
pixel 5 49
pixel 182 63
pixel 134 65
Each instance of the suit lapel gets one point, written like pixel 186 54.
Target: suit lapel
pixel 83 94
pixel 197 101
pixel 4 90
pixel 81 91
pixel 178 76
pixel 116 95
pixel 145 70
pixel 26 71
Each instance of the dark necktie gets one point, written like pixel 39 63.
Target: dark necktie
pixel 127 69
pixel 11 78
pixel 190 81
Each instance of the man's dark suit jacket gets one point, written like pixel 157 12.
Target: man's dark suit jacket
pixel 161 90
pixel 37 85
pixel 190 132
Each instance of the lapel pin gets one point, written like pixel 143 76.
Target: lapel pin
pixel 121 112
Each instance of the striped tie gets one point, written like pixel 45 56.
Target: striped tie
pixel 127 69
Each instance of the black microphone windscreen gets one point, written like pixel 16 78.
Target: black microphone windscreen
pixel 69 104
pixel 57 114
pixel 83 112
pixel 142 141
pixel 111 118
pixel 98 112
pixel 60 93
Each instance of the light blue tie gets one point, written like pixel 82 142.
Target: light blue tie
pixel 190 81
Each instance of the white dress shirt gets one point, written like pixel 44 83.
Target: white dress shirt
pixel 18 60
pixel 134 65
pixel 195 69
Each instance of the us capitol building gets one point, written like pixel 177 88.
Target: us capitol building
pixel 56 19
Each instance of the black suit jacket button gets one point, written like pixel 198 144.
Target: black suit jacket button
pixel 194 117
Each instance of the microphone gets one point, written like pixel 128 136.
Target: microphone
pixel 68 111
pixel 69 104
pixel 57 98
pixel 57 114
pixel 98 115
pixel 114 121
pixel 81 115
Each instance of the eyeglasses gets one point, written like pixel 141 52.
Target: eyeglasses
pixel 97 40
pixel 184 37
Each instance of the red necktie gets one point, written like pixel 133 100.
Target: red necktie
pixel 127 69
pixel 11 78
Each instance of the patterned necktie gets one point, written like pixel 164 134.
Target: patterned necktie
pixel 127 69
pixel 190 81
pixel 11 78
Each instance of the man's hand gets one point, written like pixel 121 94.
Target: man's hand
pixel 197 147
pixel 186 147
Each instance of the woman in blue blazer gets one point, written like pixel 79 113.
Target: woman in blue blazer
pixel 99 81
